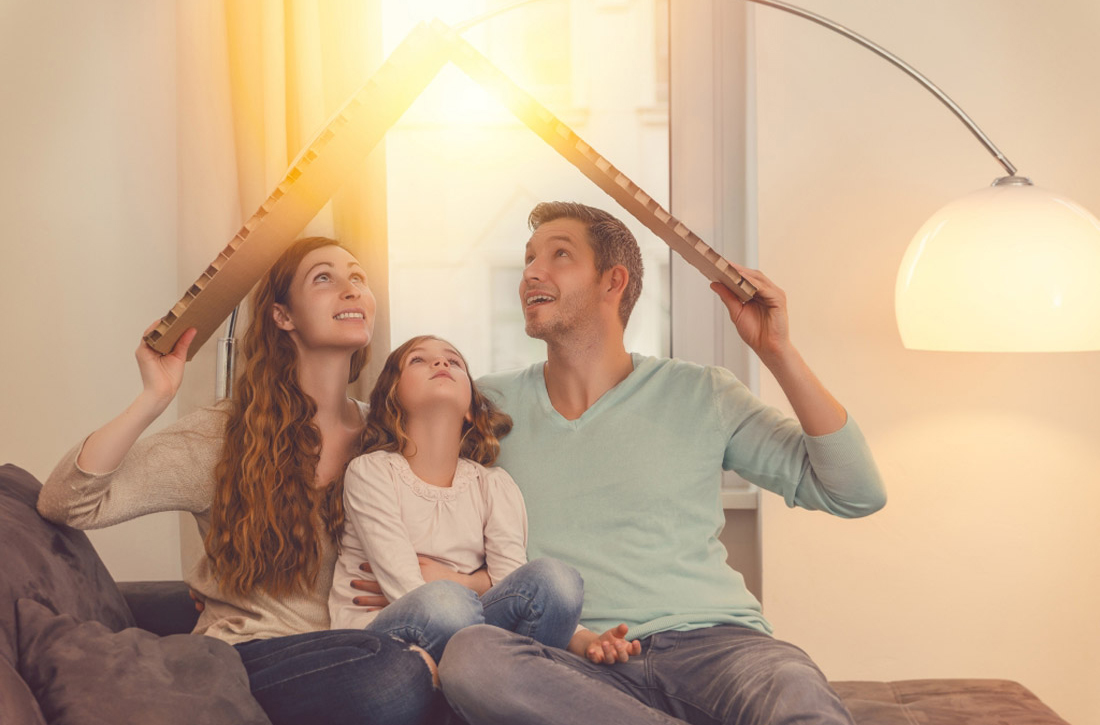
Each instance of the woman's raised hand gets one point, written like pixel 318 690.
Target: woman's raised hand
pixel 161 375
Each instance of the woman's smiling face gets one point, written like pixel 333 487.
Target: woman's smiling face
pixel 330 304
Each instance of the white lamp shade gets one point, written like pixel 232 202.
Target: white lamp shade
pixel 1010 268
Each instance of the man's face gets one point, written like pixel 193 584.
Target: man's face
pixel 559 291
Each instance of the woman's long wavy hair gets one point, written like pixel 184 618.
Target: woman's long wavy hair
pixel 267 518
pixel 385 429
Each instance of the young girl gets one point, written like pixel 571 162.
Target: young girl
pixel 262 475
pixel 422 493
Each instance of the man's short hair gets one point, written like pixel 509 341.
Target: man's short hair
pixel 611 242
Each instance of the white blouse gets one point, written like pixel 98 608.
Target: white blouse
pixel 392 516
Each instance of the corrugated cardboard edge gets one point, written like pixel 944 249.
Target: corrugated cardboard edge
pixel 347 139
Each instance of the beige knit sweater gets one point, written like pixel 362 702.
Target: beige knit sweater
pixel 173 470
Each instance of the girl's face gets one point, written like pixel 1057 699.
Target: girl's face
pixel 434 376
pixel 330 304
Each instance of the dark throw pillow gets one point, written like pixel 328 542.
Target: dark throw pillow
pixel 52 564
pixel 82 673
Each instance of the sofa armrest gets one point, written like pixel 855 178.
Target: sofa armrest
pixel 163 607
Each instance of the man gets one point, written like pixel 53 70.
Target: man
pixel 617 456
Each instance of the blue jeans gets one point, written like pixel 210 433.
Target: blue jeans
pixel 340 676
pixel 542 600
pixel 716 675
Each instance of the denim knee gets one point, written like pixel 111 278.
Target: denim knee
pixel 428 615
pixel 468 661
pixel 541 599
pixel 803 678
pixel 557 577
pixel 564 584
pixel 446 606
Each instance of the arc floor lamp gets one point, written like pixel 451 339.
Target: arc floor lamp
pixel 1009 268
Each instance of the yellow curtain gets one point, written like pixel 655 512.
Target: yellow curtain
pixel 256 80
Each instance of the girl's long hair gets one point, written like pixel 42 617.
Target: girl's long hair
pixel 385 429
pixel 267 517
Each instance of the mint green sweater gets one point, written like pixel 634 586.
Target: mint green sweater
pixel 629 493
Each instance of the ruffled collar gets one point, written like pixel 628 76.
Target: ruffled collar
pixel 465 474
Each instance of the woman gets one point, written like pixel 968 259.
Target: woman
pixel 262 475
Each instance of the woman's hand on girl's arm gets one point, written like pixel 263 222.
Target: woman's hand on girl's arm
pixel 374 599
pixel 604 649
pixel 161 376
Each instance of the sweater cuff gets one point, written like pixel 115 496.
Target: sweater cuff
pixel 839 448
pixel 75 453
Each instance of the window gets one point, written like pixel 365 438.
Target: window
pixel 462 173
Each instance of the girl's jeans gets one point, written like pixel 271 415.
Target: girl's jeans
pixel 542 600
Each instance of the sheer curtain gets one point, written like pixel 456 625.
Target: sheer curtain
pixel 255 82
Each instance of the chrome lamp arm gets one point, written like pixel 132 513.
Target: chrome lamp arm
pixel 227 352
pixel 841 30
pixel 901 64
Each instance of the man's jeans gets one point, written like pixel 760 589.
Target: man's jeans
pixel 338 677
pixel 724 674
pixel 542 600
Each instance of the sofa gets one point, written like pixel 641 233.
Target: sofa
pixel 77 648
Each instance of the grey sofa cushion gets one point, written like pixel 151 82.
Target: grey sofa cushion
pixel 54 565
pixel 17 703
pixel 82 673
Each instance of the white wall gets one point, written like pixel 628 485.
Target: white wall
pixel 88 256
pixel 986 561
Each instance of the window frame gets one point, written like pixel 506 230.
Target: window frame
pixel 712 184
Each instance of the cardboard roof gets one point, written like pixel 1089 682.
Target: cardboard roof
pixel 350 136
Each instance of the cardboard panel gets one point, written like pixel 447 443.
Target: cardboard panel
pixel 346 140
pixel 597 168
pixel 315 175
